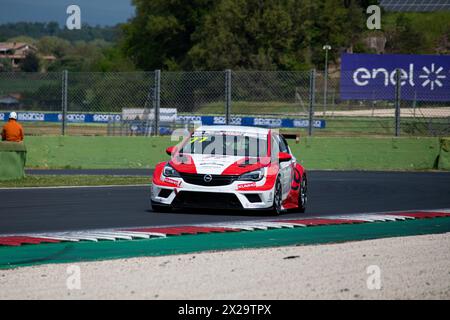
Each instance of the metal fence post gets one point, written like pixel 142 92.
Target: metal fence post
pixel 312 96
pixel 65 75
pixel 228 96
pixel 157 99
pixel 397 102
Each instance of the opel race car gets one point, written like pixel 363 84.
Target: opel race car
pixel 230 167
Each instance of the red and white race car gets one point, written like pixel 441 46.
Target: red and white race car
pixel 230 167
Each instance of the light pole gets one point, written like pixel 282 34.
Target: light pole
pixel 326 47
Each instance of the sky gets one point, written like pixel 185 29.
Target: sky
pixel 93 12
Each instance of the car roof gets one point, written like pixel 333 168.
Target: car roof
pixel 238 129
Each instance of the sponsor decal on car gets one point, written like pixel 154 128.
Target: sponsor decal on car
pixel 172 181
pixel 246 185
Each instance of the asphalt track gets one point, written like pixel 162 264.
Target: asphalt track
pixel 330 193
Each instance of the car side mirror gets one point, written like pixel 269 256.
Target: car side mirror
pixel 170 150
pixel 283 157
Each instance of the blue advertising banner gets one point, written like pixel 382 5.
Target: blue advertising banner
pixel 253 122
pixel 205 120
pixel 372 77
pixel 57 117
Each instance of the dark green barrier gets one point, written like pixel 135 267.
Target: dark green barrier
pixel 444 154
pixel 12 160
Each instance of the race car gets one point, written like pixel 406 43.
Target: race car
pixel 230 167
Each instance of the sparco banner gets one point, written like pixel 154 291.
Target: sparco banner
pixel 372 77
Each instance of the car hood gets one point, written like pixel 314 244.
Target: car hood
pixel 216 164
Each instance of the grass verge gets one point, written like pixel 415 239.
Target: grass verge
pixel 331 153
pixel 73 180
pixel 74 152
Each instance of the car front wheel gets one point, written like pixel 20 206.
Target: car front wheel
pixel 277 198
pixel 303 195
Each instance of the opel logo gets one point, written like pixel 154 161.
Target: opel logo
pixel 207 178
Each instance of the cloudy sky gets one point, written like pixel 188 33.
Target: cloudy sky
pixel 93 12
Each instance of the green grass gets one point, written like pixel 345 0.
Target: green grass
pixel 73 180
pixel 362 153
pixel 95 152
pixel 367 153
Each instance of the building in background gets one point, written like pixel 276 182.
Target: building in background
pixel 15 53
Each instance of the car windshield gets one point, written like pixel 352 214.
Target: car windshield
pixel 227 144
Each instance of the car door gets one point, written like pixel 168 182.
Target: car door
pixel 285 167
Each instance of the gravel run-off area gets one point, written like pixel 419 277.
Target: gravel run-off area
pixel 403 268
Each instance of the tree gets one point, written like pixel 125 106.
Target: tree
pixel 30 63
pixel 6 65
pixel 26 39
pixel 53 45
pixel 362 3
pixel 243 34
pixel 273 34
pixel 443 43
pixel 38 30
pixel 404 38
pixel 114 60
pixel 159 36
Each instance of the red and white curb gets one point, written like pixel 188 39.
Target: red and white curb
pixel 162 232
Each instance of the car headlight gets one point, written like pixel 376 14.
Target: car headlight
pixel 256 175
pixel 170 172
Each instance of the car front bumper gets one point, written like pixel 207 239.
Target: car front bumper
pixel 224 197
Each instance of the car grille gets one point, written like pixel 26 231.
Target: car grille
pixel 211 200
pixel 216 181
